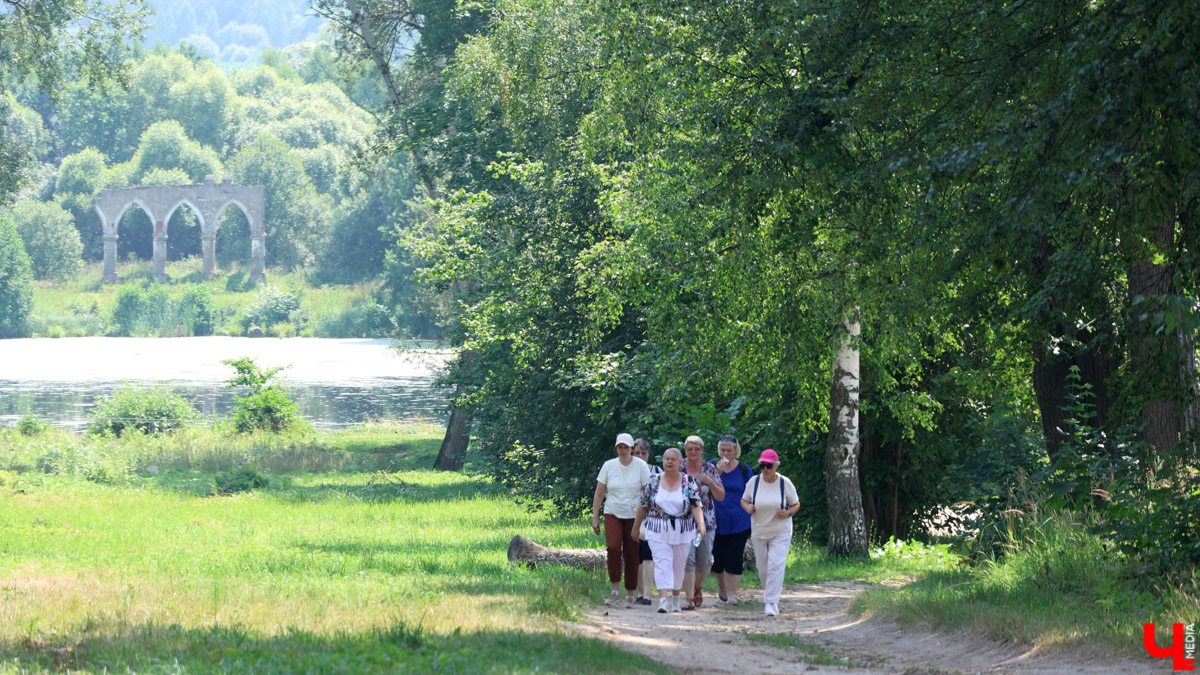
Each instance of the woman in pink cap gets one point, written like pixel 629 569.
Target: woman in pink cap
pixel 771 501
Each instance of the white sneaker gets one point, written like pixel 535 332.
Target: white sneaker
pixel 770 610
pixel 676 603
pixel 664 605
pixel 613 600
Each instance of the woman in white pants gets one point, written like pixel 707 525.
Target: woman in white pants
pixel 670 506
pixel 771 501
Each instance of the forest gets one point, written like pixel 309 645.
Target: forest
pixel 686 217
pixel 669 218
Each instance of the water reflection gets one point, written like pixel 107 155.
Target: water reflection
pixel 327 406
pixel 336 383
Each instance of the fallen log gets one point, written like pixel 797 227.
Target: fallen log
pixel 522 550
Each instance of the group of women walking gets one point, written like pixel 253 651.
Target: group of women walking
pixel 689 518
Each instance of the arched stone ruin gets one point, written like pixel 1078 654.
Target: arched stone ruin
pixel 208 200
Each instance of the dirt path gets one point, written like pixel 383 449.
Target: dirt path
pixel 713 640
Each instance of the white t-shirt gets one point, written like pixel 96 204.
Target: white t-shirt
pixel 623 485
pixel 763 523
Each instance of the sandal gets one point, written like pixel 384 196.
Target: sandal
pixel 698 598
pixel 722 596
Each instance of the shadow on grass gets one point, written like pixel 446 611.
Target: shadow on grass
pixel 398 648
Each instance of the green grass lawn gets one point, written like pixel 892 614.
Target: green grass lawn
pixel 115 554
pixel 339 565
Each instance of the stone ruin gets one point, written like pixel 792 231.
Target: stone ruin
pixel 208 200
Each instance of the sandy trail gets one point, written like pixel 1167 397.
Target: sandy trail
pixel 713 639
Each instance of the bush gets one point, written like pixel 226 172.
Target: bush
pixel 240 479
pixel 152 411
pixel 268 407
pixel 32 425
pixel 196 311
pixel 130 302
pixel 50 238
pixel 270 306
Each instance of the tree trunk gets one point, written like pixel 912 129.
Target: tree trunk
pixel 1155 359
pixel 847 529
pixel 522 550
pixel 454 444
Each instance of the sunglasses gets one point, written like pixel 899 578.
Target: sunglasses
pixel 766 465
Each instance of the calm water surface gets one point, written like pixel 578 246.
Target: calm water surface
pixel 336 383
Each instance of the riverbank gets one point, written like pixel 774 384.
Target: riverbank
pixel 189 304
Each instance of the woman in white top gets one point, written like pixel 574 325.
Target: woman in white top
pixel 619 486
pixel 771 501
pixel 670 505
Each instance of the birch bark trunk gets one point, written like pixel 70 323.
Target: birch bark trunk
pixel 847 526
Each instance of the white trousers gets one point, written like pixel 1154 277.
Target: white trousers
pixel 669 560
pixel 771 557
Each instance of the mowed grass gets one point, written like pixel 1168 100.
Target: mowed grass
pixel 350 569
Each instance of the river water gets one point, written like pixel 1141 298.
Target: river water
pixel 336 383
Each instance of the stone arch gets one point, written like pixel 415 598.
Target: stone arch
pixel 233 233
pixel 138 231
pixel 195 209
pixel 184 225
pixel 207 200
pixel 117 220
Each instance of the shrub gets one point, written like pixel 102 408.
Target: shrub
pixel 270 306
pixel 239 479
pixel 150 410
pixel 131 301
pixel 32 425
pixel 268 407
pixel 196 310
pixel 50 238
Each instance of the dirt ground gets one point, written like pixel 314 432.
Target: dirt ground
pixel 713 639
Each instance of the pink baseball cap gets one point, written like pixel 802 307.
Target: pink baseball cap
pixel 769 455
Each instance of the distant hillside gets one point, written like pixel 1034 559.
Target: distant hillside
pixel 231 30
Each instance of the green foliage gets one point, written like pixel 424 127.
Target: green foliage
pixel 32 425
pixel 146 409
pixel 271 305
pixel 50 238
pixel 81 176
pixel 935 555
pixel 298 212
pixel 16 280
pixel 267 407
pixel 240 479
pixel 160 310
pixel 250 374
pixel 50 43
pixel 165 145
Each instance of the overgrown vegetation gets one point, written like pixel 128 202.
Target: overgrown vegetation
pixel 150 410
pixel 225 305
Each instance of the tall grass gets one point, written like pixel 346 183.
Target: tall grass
pixel 355 558
pixel 1056 584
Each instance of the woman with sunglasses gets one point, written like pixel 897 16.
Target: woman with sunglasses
pixel 771 500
